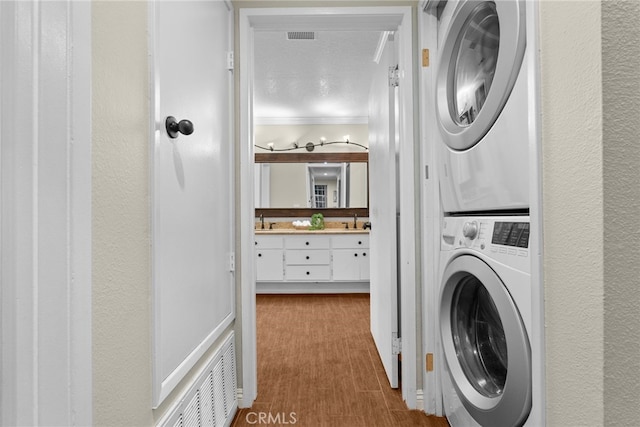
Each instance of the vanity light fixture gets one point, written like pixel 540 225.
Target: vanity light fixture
pixel 310 146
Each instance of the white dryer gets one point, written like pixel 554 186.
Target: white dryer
pixel 485 319
pixel 484 82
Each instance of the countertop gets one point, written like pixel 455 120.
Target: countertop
pixel 302 231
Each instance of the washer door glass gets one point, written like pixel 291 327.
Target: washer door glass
pixel 485 343
pixel 475 63
pixel 479 337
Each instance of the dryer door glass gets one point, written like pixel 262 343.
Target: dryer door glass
pixel 475 64
pixel 479 337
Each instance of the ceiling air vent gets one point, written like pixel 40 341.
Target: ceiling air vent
pixel 301 35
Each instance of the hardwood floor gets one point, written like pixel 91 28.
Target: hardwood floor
pixel 318 366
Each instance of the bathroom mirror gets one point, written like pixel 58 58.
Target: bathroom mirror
pixel 301 184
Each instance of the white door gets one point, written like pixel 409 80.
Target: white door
pixel 192 190
pixel 382 213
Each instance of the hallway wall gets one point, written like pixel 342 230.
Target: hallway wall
pixel 590 102
pixel 572 186
pixel 621 162
pixel 121 227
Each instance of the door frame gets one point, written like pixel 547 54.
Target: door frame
pixel 45 210
pixel 383 18
pixel 431 211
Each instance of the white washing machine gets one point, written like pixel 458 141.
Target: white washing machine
pixel 484 86
pixel 485 323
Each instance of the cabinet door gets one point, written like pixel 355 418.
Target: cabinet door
pixel 365 265
pixel 269 265
pixel 347 264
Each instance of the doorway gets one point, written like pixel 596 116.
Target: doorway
pixel 394 19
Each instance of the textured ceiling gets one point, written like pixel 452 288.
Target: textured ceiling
pixel 325 79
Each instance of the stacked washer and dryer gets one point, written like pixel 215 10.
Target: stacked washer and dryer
pixel 485 111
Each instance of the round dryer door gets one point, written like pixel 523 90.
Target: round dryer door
pixel 485 344
pixel 480 59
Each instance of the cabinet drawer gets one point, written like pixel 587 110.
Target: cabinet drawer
pixel 315 273
pixel 307 242
pixel 350 241
pixel 307 257
pixel 269 242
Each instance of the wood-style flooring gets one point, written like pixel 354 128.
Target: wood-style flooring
pixel 318 366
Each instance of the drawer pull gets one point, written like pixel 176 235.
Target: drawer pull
pixel 364 254
pixel 308 273
pixel 359 242
pixel 355 254
pixel 259 255
pixel 307 256
pixel 306 243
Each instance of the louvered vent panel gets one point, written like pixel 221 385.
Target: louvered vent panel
pixel 211 401
pixel 207 415
pixel 218 389
pixel 301 35
pixel 192 412
pixel 229 360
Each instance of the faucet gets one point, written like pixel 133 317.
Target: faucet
pixel 355 220
pixel 262 221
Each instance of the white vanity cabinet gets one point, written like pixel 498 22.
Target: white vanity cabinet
pixel 350 257
pixel 269 258
pixel 312 262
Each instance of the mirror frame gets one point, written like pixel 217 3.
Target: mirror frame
pixel 314 158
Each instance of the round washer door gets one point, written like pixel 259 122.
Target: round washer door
pixel 485 344
pixel 480 59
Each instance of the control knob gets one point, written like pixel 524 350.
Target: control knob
pixel 470 230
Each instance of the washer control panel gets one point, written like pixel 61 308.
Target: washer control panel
pixel 498 236
pixel 515 234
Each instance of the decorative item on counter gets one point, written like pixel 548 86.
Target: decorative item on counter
pixel 317 222
pixel 301 225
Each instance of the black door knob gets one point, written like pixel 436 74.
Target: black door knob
pixel 174 127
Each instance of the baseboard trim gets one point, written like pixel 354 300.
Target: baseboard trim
pixel 243 402
pixel 420 399
pixel 312 288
